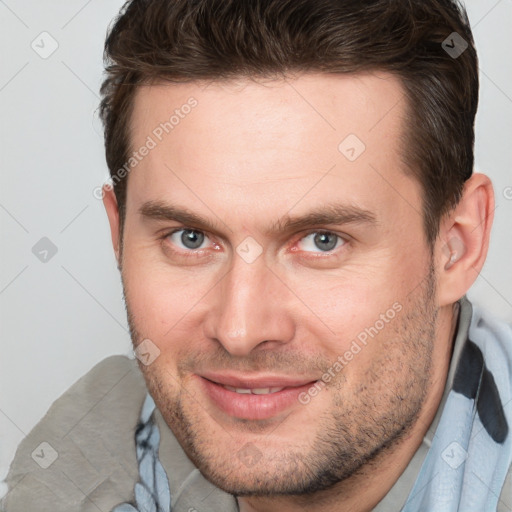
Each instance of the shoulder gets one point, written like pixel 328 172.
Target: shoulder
pixel 505 501
pixel 82 451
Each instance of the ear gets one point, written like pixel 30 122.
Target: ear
pixel 110 204
pixel 463 241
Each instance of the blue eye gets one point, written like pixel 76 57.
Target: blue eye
pixel 189 238
pixel 318 241
pixel 323 241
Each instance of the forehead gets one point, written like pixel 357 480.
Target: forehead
pixel 239 140
pixel 299 109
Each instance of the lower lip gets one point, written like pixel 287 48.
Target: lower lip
pixel 253 407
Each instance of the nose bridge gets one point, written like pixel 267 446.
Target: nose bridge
pixel 248 310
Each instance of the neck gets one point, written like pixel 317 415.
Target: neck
pixel 366 488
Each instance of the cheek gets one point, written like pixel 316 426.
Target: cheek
pixel 164 301
pixel 359 310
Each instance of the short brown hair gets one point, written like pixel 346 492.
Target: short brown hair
pixel 187 40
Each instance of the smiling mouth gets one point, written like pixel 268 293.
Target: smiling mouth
pixel 253 400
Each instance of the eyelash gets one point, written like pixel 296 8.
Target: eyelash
pixel 319 254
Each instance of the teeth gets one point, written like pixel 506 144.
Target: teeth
pixel 260 391
pixel 255 391
pixel 265 391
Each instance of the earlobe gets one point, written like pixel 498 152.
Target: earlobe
pixel 110 204
pixel 463 240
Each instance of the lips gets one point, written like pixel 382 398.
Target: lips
pixel 248 381
pixel 253 398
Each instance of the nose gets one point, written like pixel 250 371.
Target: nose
pixel 248 308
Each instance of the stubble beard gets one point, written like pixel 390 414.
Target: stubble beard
pixel 350 434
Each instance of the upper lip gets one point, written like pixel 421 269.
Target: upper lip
pixel 248 381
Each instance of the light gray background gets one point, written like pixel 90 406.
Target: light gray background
pixel 60 317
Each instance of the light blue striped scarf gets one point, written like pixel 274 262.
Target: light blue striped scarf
pixel 152 492
pixel 470 454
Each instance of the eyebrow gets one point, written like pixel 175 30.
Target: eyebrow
pixel 333 214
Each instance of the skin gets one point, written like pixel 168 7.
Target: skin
pixel 250 155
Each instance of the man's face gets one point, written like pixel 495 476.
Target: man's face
pixel 295 323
